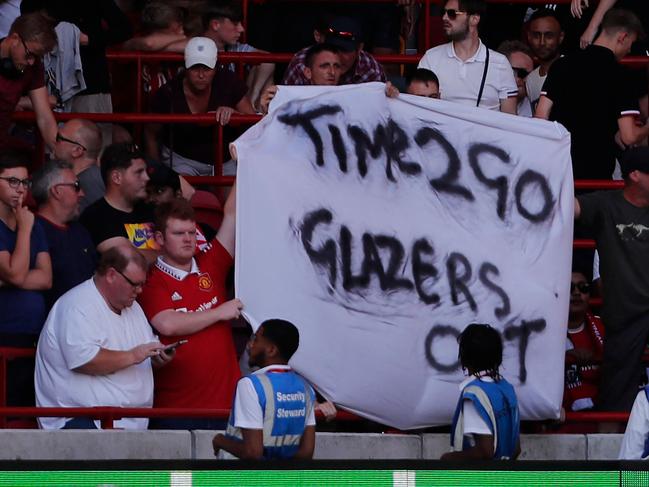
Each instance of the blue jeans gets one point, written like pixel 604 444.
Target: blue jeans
pixel 80 424
pixel 187 424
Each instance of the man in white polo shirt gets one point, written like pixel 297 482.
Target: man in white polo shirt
pixel 468 72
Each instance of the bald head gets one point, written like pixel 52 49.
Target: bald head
pixel 78 140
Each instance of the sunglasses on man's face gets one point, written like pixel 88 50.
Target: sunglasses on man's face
pixel 76 186
pixel 61 138
pixel 582 287
pixel 452 13
pixel 522 73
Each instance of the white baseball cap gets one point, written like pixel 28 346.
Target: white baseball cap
pixel 200 50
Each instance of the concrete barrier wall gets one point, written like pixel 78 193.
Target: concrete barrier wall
pixel 95 445
pixel 197 445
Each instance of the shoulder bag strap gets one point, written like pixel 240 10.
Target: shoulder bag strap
pixel 484 77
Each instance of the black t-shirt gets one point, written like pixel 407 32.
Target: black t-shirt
pixel 191 140
pixel 622 235
pixel 589 90
pixel 104 222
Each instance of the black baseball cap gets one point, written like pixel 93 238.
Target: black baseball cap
pixel 161 176
pixel 634 159
pixel 344 33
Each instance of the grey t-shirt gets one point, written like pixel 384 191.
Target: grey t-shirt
pixel 622 235
pixel 92 185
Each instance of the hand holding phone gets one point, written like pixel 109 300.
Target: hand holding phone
pixel 173 346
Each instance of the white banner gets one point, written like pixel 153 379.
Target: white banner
pixel 382 227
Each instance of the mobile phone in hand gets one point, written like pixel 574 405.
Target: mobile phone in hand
pixel 173 346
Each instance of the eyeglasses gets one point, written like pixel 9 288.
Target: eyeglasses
pixel 28 54
pixel 583 287
pixel 15 182
pixel 452 13
pixel 522 73
pixel 60 138
pixel 76 185
pixel 134 285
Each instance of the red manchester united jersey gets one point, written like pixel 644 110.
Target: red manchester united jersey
pixel 205 371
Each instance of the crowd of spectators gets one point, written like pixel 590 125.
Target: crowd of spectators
pixel 107 210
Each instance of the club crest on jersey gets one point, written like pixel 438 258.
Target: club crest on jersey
pixel 204 282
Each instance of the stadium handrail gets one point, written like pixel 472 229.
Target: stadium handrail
pixel 240 58
pixel 265 57
pixel 107 415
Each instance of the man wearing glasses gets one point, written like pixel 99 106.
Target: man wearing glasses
pixel 58 193
pixel 519 56
pixel 25 271
pixel 469 72
pixel 21 72
pixel 584 347
pixel 79 142
pixel 97 348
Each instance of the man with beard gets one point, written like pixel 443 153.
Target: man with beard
pixel 122 216
pixel 469 72
pixel 544 36
pixel 272 416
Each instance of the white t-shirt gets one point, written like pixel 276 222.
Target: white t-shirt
pixel 637 430
pixel 79 324
pixel 459 81
pixel 247 410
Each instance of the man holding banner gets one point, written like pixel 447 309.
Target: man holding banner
pixel 185 298
pixel 441 213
